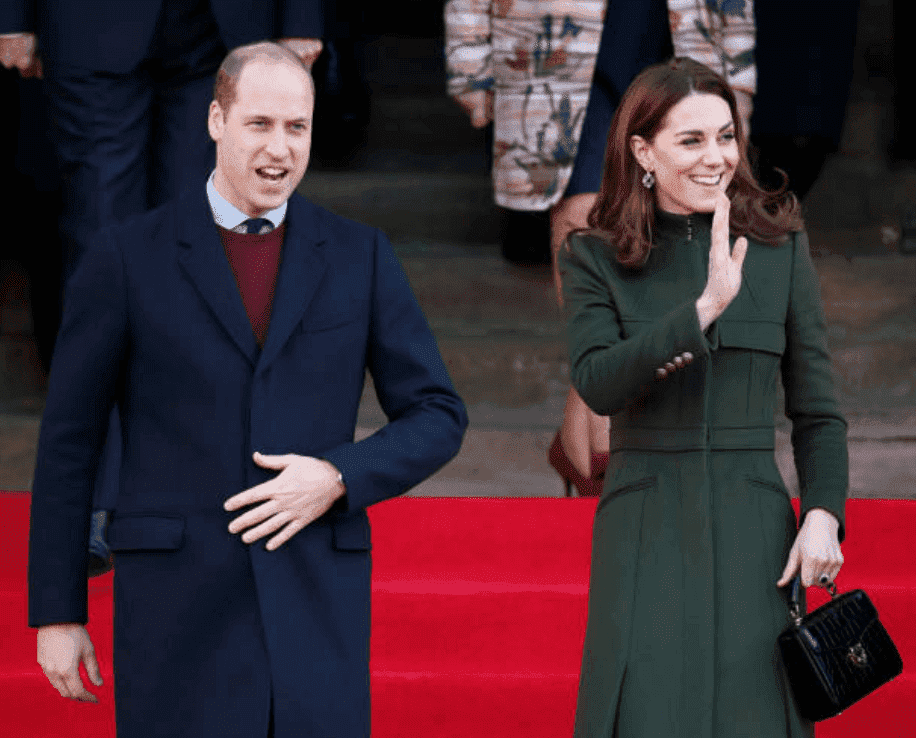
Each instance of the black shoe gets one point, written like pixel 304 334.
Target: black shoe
pixel 100 558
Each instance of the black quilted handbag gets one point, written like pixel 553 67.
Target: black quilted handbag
pixel 837 654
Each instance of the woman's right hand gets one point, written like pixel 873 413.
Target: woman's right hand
pixel 478 105
pixel 725 264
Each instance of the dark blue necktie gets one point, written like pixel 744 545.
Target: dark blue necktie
pixel 255 225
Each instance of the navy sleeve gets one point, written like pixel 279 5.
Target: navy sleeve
pixel 81 392
pixel 426 417
pixel 17 16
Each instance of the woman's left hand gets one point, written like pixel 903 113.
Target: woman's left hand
pixel 816 550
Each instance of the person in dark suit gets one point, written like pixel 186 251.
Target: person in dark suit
pixel 803 87
pixel 32 205
pixel 233 328
pixel 128 85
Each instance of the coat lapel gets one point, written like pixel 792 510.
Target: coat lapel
pixel 202 257
pixel 302 268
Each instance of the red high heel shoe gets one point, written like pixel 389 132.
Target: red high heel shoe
pixel 585 486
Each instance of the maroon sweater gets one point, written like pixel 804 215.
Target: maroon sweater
pixel 255 261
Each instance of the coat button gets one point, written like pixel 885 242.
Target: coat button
pixel 661 372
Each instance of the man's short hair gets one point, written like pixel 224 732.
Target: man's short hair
pixel 225 89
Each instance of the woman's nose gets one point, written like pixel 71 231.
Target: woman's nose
pixel 712 155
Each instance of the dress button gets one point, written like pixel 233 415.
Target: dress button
pixel 670 367
pixel 661 373
pixel 687 356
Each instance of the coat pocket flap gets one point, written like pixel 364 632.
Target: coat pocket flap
pixel 146 533
pixel 352 533
pixel 631 326
pixel 769 336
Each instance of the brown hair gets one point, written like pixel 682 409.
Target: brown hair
pixel 225 89
pixel 625 210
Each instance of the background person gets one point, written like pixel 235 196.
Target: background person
pixel 803 87
pixel 31 206
pixel 527 67
pixel 695 531
pixel 233 328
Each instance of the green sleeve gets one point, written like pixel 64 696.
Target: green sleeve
pixel 818 428
pixel 608 370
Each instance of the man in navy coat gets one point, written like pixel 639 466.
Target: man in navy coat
pixel 128 84
pixel 242 585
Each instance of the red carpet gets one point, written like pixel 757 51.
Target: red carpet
pixel 478 619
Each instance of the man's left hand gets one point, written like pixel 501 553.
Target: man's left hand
pixel 302 492
pixel 307 49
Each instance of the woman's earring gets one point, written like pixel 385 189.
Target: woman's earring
pixel 648 179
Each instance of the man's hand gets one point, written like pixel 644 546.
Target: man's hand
pixel 478 105
pixel 304 490
pixel 307 49
pixel 816 550
pixel 20 50
pixel 61 648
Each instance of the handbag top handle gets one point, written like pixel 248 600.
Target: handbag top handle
pixel 794 594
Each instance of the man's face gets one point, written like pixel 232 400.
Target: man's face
pixel 263 142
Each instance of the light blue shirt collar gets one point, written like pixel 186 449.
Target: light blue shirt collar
pixel 228 216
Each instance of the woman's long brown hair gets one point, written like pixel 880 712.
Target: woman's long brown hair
pixel 625 210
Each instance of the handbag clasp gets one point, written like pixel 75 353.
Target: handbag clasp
pixel 858 656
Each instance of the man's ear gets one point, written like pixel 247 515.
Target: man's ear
pixel 641 152
pixel 215 121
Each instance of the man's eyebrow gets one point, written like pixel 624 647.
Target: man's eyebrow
pixel 267 116
pixel 700 133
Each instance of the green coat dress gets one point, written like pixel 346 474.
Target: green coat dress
pixel 694 525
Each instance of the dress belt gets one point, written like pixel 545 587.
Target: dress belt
pixel 691 438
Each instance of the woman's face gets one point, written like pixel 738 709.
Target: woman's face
pixel 693 156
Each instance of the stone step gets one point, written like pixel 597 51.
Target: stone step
pixel 435 206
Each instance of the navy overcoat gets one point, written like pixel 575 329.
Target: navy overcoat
pixel 208 630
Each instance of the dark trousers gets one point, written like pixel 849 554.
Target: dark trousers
pixel 31 208
pixel 903 147
pixel 129 142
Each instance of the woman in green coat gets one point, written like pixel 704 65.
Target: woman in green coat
pixel 680 331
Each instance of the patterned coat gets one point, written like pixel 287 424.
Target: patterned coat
pixel 538 57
